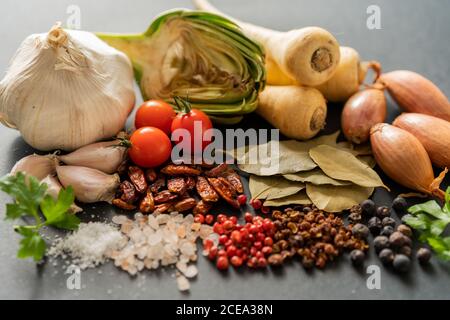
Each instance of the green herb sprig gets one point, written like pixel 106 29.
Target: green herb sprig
pixel 430 219
pixel 31 201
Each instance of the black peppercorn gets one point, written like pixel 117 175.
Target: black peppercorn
pixel 387 231
pixel 386 256
pixel 383 212
pixel 368 208
pixel 397 239
pixel 423 255
pixel 380 243
pixel 388 221
pixel 357 257
pixel 403 228
pixel 406 250
pixel 374 225
pixel 401 263
pixel 360 231
pixel 399 205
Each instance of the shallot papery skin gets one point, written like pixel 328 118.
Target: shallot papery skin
pixel 404 159
pixel 104 156
pixel 89 185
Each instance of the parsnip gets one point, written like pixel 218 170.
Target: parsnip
pixel 346 81
pixel 299 112
pixel 348 77
pixel 309 56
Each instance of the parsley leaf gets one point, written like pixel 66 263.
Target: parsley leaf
pixel 431 220
pixel 32 245
pixel 55 212
pixel 27 192
pixel 30 200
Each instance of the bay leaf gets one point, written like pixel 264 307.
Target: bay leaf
pixel 337 198
pixel 292 156
pixel 343 165
pixel 273 187
pixel 298 198
pixel 315 176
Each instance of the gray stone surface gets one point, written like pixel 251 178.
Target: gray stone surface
pixel 414 35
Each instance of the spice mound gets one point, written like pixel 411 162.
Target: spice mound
pixel 162 240
pixel 90 245
pixel 315 236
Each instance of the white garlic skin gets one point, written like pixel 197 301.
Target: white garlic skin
pixel 65 89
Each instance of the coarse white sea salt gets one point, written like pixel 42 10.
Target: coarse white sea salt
pixel 90 245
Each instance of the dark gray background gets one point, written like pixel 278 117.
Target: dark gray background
pixel 414 35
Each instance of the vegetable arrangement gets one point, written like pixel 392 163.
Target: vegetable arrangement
pixel 209 60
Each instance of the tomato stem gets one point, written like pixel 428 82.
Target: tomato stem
pixel 124 142
pixel 182 105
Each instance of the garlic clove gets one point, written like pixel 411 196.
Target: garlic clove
pixel 104 156
pixel 53 188
pixel 89 185
pixel 36 166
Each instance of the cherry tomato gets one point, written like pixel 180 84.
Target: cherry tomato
pixel 155 113
pixel 150 147
pixel 187 120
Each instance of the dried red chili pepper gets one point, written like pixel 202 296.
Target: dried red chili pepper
pixel 128 192
pixel 205 191
pixel 137 178
pixel 177 185
pixel 202 207
pixel 185 204
pixel 147 204
pixel 123 205
pixel 164 196
pixel 180 170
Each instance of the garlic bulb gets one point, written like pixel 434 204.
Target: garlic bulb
pixel 89 185
pixel 104 156
pixel 53 188
pixel 36 166
pixel 65 89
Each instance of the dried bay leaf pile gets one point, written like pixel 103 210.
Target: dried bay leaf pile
pixel 333 176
